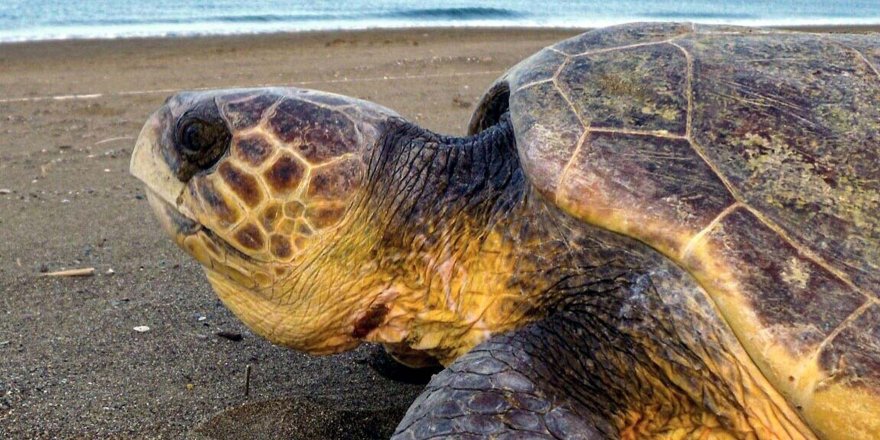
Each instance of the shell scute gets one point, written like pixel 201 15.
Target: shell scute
pixel 547 131
pixel 854 353
pixel 669 193
pixel 791 120
pixel 796 302
pixel 640 88
pixel 541 66
pixel 623 35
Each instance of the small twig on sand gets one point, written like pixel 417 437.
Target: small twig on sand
pixel 83 272
pixel 113 139
pixel 247 380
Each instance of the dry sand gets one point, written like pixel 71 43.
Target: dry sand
pixel 71 365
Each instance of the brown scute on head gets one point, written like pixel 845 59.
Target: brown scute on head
pixel 271 215
pixel 280 246
pixel 244 185
pixel 294 209
pixel 286 227
pixel 337 181
pixel 300 242
pixel 250 237
pixel 247 112
pixel 371 319
pixel 324 215
pixel 303 229
pixel 320 134
pixel 252 149
pixel 285 174
pixel 218 204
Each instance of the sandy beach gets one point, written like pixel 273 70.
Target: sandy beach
pixel 71 363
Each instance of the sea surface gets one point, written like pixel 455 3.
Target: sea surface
pixel 22 20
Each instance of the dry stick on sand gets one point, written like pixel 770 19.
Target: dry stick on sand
pixel 118 138
pixel 83 272
pixel 247 380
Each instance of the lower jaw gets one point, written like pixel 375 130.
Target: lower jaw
pixel 191 235
pixel 172 221
pixel 279 323
pixel 245 285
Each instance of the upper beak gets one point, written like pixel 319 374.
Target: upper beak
pixel 148 163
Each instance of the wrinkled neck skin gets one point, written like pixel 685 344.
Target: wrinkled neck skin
pixel 446 245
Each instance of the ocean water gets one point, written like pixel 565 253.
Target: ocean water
pixel 22 20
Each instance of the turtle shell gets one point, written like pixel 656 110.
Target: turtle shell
pixel 749 157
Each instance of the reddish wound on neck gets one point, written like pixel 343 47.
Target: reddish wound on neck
pixel 370 320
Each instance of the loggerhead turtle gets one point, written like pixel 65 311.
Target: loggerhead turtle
pixel 653 230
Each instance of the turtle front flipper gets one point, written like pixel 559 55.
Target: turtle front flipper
pixel 504 388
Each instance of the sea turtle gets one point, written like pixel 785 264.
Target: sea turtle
pixel 652 230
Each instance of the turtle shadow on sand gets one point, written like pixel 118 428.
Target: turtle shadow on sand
pixel 302 417
pixel 317 417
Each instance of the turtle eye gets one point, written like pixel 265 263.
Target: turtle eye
pixel 199 136
pixel 201 139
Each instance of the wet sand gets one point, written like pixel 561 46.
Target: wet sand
pixel 71 365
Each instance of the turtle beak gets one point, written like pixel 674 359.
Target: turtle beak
pixel 149 164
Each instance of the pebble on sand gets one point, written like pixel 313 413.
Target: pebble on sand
pixel 142 329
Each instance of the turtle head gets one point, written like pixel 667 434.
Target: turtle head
pixel 256 185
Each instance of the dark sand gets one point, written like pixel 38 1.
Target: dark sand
pixel 71 365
